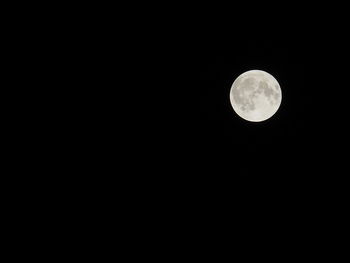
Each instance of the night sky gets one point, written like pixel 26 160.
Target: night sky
pixel 148 126
pixel 180 114
pixel 126 123
pixel 168 79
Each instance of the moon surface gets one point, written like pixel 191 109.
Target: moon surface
pixel 255 95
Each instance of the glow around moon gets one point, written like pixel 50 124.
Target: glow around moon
pixel 255 95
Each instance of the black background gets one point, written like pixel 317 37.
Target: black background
pixel 166 81
pixel 186 155
pixel 181 102
pixel 142 98
pixel 135 118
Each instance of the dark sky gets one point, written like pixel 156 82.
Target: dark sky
pixel 133 114
pixel 298 146
pixel 152 129
pixel 170 101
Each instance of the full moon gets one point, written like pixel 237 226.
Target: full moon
pixel 255 95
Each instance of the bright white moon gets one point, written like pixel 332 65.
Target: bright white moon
pixel 255 95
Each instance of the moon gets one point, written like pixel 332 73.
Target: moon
pixel 255 95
